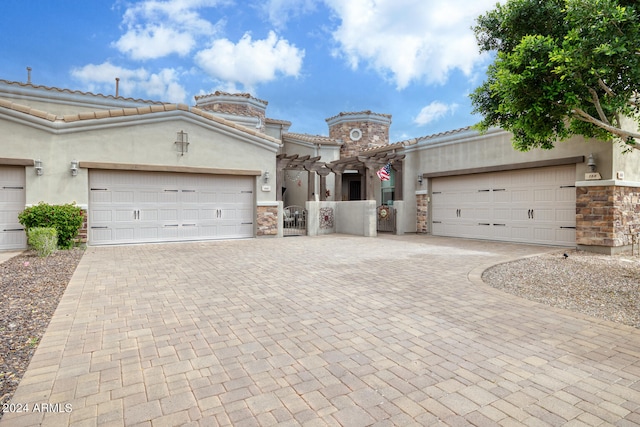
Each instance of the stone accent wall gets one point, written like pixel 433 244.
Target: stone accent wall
pixel 238 104
pixel 82 233
pixel 604 215
pixel 235 109
pixel 267 218
pixel 422 225
pixel 375 132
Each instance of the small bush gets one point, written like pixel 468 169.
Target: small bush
pixel 66 219
pixel 43 239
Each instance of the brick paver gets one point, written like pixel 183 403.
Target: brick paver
pixel 329 330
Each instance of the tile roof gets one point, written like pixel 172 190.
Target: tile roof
pixel 388 147
pixel 131 111
pixel 277 121
pixel 239 95
pixel 354 113
pixel 446 133
pixel 69 91
pixel 317 139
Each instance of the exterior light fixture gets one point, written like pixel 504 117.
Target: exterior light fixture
pixel 182 142
pixel 74 168
pixel 266 176
pixel 38 167
pixel 420 178
pixel 591 163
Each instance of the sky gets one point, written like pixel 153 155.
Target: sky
pixel 417 60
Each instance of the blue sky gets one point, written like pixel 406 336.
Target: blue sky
pixel 310 59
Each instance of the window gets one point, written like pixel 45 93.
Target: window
pixel 388 189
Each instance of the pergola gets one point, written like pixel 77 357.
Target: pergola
pixel 366 163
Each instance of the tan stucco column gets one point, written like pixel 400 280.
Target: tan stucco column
pixel 323 172
pixel 368 177
pixel 311 185
pixel 397 166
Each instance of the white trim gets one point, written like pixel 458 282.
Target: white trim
pixel 421 192
pixel 267 204
pixel 81 206
pixel 62 128
pixel 463 136
pixel 355 134
pixel 69 97
pixel 607 183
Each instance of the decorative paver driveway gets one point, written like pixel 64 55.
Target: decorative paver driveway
pixel 330 330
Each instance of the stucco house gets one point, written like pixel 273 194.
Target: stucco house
pixel 147 171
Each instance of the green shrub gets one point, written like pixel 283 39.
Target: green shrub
pixel 43 239
pixel 66 219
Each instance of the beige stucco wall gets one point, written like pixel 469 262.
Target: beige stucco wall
pixel 142 140
pixel 468 149
pixel 296 181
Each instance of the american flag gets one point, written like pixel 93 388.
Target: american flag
pixel 384 172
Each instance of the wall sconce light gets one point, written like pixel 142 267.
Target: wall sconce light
pixel 182 142
pixel 420 179
pixel 74 168
pixel 38 167
pixel 265 177
pixel 591 163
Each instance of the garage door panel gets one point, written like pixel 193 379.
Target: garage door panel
pixel 12 202
pixel 13 196
pixel 478 213
pixel 525 205
pixel 245 214
pixel 121 215
pixel 567 235
pixel 164 197
pixel 98 196
pixel 150 233
pixel 565 216
pixel 544 215
pixel 150 196
pixel 208 214
pixel 166 232
pixel 171 206
pixel 124 234
pixel 520 195
pixel 190 214
pixel 7 217
pixel 127 197
pixel 189 196
pixel 544 195
pixel 204 196
pixel 162 215
pixel 101 235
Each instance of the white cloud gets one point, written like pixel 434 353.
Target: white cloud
pixel 434 111
pixel 279 12
pixel 163 85
pixel 409 40
pixel 159 28
pixel 154 41
pixel 250 62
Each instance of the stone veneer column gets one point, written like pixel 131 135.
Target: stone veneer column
pixel 422 205
pixel 267 220
pixel 371 129
pixel 604 215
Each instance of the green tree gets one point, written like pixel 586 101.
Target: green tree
pixel 561 68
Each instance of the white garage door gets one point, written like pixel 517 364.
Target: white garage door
pixel 12 200
pixel 531 205
pixel 139 207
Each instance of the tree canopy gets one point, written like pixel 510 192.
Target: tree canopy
pixel 562 68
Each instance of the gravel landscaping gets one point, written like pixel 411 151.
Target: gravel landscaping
pixel 607 287
pixel 31 288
